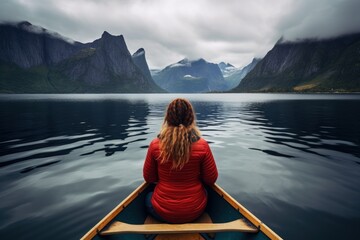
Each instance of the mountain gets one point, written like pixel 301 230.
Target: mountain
pixel 226 68
pixel 328 65
pixel 233 75
pixel 27 45
pixel 154 71
pixel 140 61
pixel 190 77
pixel 36 60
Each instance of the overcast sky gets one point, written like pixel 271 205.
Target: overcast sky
pixel 233 31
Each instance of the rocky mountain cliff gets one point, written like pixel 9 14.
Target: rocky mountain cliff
pixel 233 75
pixel 331 65
pixel 140 61
pixel 191 76
pixel 226 68
pixel 33 59
pixel 27 45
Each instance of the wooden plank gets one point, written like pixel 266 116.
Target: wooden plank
pixel 204 218
pixel 110 216
pixel 236 225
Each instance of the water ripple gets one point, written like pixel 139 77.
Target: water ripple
pixel 279 155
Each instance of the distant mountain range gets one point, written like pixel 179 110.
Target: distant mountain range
pixel 200 76
pixel 233 75
pixel 191 76
pixel 330 65
pixel 35 60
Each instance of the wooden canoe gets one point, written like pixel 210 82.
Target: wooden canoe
pixel 224 218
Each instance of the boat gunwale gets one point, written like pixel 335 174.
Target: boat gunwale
pixel 118 209
pixel 245 212
pixel 220 191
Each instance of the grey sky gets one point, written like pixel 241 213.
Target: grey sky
pixel 233 31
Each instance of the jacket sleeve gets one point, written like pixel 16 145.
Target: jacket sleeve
pixel 150 166
pixel 209 172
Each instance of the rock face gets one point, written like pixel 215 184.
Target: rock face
pixel 226 68
pixel 233 75
pixel 309 65
pixel 35 60
pixel 188 76
pixel 26 45
pixel 140 61
pixel 104 65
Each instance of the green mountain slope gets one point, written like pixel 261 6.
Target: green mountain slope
pixel 40 62
pixel 331 65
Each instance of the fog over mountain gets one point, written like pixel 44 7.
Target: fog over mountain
pixel 36 60
pixel 330 65
pixel 231 31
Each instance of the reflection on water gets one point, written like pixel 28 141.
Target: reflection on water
pixel 66 160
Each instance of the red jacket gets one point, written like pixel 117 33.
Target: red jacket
pixel 179 195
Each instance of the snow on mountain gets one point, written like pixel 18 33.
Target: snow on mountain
pixel 233 75
pixel 190 76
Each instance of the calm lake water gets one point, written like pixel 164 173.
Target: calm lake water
pixel 67 160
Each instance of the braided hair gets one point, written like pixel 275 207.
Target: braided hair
pixel 176 133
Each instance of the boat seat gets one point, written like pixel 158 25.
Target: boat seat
pixel 204 218
pixel 149 227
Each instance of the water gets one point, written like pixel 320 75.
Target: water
pixel 67 160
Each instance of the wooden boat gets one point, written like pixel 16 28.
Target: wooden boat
pixel 224 218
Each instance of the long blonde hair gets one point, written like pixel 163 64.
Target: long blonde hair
pixel 177 133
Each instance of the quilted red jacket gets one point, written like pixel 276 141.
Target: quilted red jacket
pixel 179 195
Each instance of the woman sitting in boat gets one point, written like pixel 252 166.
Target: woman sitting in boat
pixel 180 162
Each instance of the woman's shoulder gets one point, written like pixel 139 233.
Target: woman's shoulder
pixel 154 144
pixel 202 141
pixel 200 146
pixel 155 141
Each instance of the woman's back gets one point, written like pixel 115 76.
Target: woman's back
pixel 179 195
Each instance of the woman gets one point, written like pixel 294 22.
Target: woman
pixel 180 162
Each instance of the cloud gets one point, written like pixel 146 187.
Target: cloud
pixel 233 31
pixel 321 19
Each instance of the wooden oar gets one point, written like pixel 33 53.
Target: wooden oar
pixel 238 225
